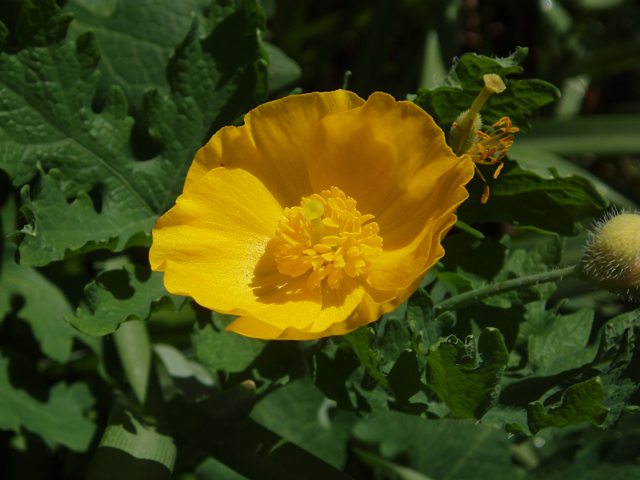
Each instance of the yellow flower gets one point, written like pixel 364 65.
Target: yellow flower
pixel 317 216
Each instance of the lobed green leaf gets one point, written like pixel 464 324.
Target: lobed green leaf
pixel 136 38
pixel 465 377
pixel 524 198
pixel 219 350
pixel 456 93
pixel 60 420
pixel 91 191
pixel 580 403
pixel 117 296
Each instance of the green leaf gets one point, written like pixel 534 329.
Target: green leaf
pixel 134 350
pixel 589 453
pixel 487 262
pixel 91 192
pixel 248 448
pixel 596 134
pixel 439 449
pixel 524 198
pixel 360 342
pixel 580 403
pixel 179 366
pixel 560 343
pixel 467 379
pixel 511 420
pixel 218 350
pixel 520 100
pixel 301 414
pixel 283 71
pixel 137 38
pixel 212 469
pixel 132 447
pixel 425 331
pixel 404 382
pixel 394 340
pixel 532 158
pixel 117 296
pixel 59 421
pixel 621 382
pixel 403 473
pixel 337 372
pixel 45 305
pixel 616 335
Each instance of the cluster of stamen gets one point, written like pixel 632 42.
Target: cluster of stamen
pixel 491 148
pixel 327 236
pixel 466 136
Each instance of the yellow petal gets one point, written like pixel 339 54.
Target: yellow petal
pixel 337 305
pixel 367 311
pixel 217 244
pixel 397 268
pixel 213 246
pixel 271 144
pixel 392 158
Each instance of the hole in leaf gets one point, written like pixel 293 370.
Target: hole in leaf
pixel 95 194
pixel 143 146
pixel 117 282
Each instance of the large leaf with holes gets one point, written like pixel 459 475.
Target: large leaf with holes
pixel 88 190
pixel 137 38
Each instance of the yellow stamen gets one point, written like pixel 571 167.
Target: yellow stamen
pixel 344 241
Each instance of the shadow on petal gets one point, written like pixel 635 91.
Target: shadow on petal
pixel 272 287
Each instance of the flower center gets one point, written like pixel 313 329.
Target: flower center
pixel 327 235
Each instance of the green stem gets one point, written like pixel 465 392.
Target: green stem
pixel 479 294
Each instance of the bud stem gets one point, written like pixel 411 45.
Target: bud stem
pixel 479 294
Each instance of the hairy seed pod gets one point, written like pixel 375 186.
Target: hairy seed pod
pixel 612 258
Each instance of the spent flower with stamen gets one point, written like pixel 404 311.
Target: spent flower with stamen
pixel 318 215
pixel 485 147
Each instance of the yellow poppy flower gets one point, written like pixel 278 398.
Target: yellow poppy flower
pixel 317 216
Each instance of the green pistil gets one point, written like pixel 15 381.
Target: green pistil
pixel 492 84
pixel 313 212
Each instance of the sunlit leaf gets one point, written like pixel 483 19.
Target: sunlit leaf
pixel 116 296
pixel 90 191
pixel 456 93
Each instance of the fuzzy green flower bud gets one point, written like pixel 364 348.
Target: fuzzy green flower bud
pixel 612 258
